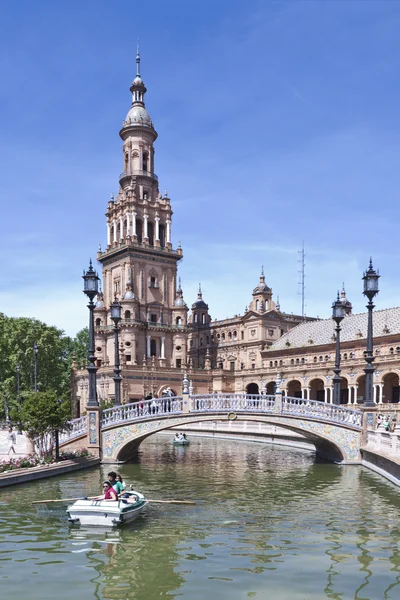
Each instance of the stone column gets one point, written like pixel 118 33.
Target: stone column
pixel 145 228
pixel 162 347
pixel 121 227
pixel 148 346
pixel 134 214
pixel 380 393
pixel 108 234
pixel 157 231
pixel 375 388
pixel 168 232
pixel 115 231
pixel 128 225
pixel 94 431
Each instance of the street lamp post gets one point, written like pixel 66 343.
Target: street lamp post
pixel 6 408
pixel 337 316
pixel 115 310
pixel 371 288
pixel 19 397
pixel 90 288
pixel 35 356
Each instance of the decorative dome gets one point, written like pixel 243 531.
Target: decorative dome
pixel 262 287
pixel 100 300
pixel 348 307
pixel 179 301
pixel 129 295
pixel 200 302
pixel 138 115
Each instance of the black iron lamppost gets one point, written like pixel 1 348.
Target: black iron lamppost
pixel 115 310
pixel 19 397
pixel 35 356
pixel 370 279
pixel 337 316
pixel 91 288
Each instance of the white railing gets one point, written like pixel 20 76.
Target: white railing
pixel 76 428
pixel 322 410
pixel 138 410
pixel 225 403
pixel 384 441
pixel 231 402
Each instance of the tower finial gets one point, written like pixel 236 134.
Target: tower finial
pixel 137 60
pixel 262 270
pixel 199 294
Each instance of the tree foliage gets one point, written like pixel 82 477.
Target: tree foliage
pixel 56 352
pixel 41 414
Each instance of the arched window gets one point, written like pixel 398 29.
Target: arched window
pixel 270 363
pixel 303 360
pixel 276 363
pixel 145 161
pixel 223 336
pixel 218 336
pixel 203 318
pixel 98 322
pixel 281 363
pixel 315 359
pixel 161 230
pixel 345 356
pixel 391 350
pixel 196 318
pixel 321 358
pixel 292 361
pixel 139 230
pixel 178 320
pixel 235 335
pixel 257 304
pixel 326 357
pixel 153 347
pixel 297 361
pixel 230 335
pixel 127 315
pixel 150 233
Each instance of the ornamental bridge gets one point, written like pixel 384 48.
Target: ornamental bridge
pixel 116 433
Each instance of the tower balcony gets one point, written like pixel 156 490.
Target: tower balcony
pixel 129 173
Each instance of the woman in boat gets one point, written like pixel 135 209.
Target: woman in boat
pixel 109 494
pixel 122 482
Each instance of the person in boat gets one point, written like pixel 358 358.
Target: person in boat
pixel 177 437
pixel 118 477
pixel 115 484
pixel 184 436
pixel 109 494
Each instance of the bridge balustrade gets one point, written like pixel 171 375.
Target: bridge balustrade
pixel 231 402
pixel 76 427
pixel 146 408
pixel 321 410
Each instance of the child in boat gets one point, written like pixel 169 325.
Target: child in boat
pixel 122 482
pixel 109 493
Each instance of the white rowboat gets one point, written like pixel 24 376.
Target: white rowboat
pixel 106 513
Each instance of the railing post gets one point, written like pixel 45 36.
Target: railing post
pixel 278 394
pixel 94 444
pixel 185 395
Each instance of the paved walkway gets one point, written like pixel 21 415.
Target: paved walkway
pixel 20 446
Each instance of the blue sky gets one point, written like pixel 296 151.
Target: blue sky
pixel 278 122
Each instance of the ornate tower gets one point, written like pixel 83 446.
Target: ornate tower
pixel 139 263
pixel 262 296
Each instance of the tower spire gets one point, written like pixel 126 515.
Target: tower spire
pixel 137 60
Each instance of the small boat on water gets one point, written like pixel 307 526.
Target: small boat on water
pixel 109 514
pixel 181 442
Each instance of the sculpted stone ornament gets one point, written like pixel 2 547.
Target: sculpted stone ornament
pixel 185 384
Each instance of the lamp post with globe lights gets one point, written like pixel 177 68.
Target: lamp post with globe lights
pixel 91 288
pixel 338 316
pixel 115 310
pixel 371 288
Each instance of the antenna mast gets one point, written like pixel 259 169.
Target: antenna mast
pixel 301 261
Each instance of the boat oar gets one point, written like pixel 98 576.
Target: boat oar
pixel 64 500
pixel 172 501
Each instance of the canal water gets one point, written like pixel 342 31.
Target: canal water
pixel 269 523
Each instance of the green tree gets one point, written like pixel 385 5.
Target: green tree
pixel 41 414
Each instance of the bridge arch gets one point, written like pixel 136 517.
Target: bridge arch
pixel 121 443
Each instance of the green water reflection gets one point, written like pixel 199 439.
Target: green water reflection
pixel 269 523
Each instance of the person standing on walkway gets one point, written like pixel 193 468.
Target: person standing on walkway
pixel 11 440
